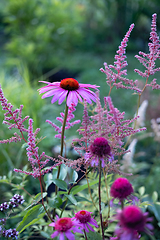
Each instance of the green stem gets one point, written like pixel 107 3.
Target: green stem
pixel 62 141
pixel 99 195
pixel 85 235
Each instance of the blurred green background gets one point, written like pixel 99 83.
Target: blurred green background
pixel 55 39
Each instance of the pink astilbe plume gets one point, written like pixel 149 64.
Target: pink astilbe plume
pixel 115 73
pixel 148 60
pixel 13 119
pixel 33 157
pixel 68 125
pixel 105 124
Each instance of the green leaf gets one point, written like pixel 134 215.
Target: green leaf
pixel 37 199
pixel 93 236
pixel 141 190
pixel 80 188
pixel 155 196
pixel 48 179
pixel 31 217
pixel 60 183
pixel 55 202
pixel 72 199
pixel 73 175
pixel 63 172
pixel 82 199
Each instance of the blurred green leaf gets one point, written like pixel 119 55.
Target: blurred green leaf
pixel 60 183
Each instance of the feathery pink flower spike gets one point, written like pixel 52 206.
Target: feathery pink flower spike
pixel 33 156
pixel 68 88
pixel 148 60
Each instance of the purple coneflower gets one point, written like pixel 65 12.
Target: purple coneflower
pixel 121 189
pixel 98 150
pixel 64 226
pixel 70 88
pixel 84 218
pixel 132 221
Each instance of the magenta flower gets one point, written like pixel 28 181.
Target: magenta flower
pixel 63 227
pixel 84 218
pixel 121 189
pixel 68 88
pixel 132 221
pixel 98 150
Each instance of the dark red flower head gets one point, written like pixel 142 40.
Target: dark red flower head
pixel 100 147
pixel 121 188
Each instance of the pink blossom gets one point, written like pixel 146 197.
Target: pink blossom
pixel 64 227
pixel 121 188
pixel 68 88
pixel 85 219
pixel 132 221
pixel 98 151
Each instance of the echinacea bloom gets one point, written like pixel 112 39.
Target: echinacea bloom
pixel 121 189
pixel 63 227
pixel 84 218
pixel 68 88
pixel 132 221
pixel 98 150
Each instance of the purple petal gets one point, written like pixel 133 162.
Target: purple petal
pixel 52 224
pixel 55 234
pixel 69 235
pixel 57 96
pixel 61 237
pixel 93 222
pixel 62 97
pixel 89 226
pixel 71 98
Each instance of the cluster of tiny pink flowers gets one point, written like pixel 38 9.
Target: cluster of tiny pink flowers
pixel 12 118
pixel 115 72
pixel 69 124
pixel 106 127
pixel 148 60
pixel 33 156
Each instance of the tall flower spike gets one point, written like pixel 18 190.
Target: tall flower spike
pixel 148 60
pixel 12 118
pixel 68 88
pixel 68 125
pixel 115 73
pixel 103 135
pixel 33 156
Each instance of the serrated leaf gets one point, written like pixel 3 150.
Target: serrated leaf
pixel 60 183
pixel 31 217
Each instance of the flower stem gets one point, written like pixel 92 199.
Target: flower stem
pixel 62 141
pixel 99 195
pixel 85 234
